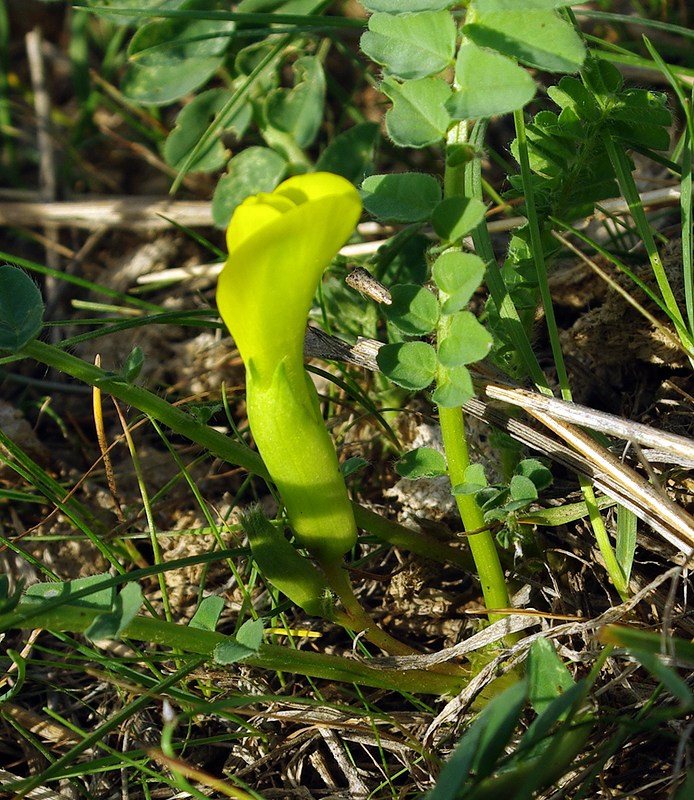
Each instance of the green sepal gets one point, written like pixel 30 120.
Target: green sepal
pixel 286 569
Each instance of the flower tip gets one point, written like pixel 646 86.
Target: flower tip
pixel 315 186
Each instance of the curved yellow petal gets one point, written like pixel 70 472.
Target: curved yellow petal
pixel 279 245
pixel 266 288
pixel 254 214
pixel 314 186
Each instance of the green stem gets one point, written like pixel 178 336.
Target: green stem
pixel 319 665
pixel 482 545
pixel 626 181
pixel 355 617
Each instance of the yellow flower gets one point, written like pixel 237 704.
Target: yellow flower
pixel 279 245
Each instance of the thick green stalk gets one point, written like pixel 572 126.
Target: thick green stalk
pixel 482 545
pixel 280 243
